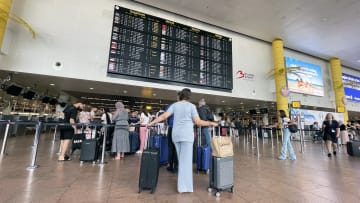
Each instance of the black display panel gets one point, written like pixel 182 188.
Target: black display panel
pixel 14 90
pixel 151 48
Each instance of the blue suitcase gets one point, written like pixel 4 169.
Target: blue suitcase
pixel 160 142
pixel 134 141
pixel 203 155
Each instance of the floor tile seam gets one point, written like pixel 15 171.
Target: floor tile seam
pixel 343 192
pixel 67 188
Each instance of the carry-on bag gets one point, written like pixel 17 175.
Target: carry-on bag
pixel 77 141
pixel 89 150
pixel 203 155
pixel 149 167
pixel 221 173
pixel 160 141
pixel 353 148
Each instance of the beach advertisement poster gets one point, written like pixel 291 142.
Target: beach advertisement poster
pixel 304 77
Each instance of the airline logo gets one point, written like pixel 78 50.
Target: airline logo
pixel 240 74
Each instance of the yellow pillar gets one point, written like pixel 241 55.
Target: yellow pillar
pixel 5 6
pixel 338 86
pixel 280 74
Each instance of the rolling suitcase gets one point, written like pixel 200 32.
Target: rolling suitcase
pixel 353 148
pixel 160 141
pixel 134 141
pixel 203 155
pixel 89 150
pixel 221 174
pixel 149 168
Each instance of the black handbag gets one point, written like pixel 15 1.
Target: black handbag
pixel 293 128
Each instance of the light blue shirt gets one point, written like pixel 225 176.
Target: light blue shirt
pixel 183 126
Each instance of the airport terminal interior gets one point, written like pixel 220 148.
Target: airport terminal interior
pixel 143 53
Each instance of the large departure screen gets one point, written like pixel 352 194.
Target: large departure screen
pixel 157 49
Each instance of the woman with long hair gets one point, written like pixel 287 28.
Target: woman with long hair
pixel 145 118
pixel 286 144
pixel 331 131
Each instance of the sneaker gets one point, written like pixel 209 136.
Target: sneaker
pixel 329 155
pixel 292 159
pixel 281 158
pixel 139 152
pixel 334 153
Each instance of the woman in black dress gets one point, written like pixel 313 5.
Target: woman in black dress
pixel 331 131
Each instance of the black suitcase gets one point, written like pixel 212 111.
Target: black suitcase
pixel 353 148
pixel 149 169
pixel 89 150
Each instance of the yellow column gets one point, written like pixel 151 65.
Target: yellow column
pixel 5 6
pixel 280 74
pixel 338 86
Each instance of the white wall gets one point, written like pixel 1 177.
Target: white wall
pixel 77 33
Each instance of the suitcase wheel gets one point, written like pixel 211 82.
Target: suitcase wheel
pixel 81 162
pixel 217 194
pixel 152 191
pixel 232 189
pixel 209 189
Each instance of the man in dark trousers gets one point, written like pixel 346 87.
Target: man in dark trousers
pixel 206 115
pixel 67 132
pixel 172 157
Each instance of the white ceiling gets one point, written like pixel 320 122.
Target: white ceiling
pixel 322 28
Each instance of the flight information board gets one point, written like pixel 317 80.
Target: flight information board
pixel 153 48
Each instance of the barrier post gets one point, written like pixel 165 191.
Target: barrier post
pixel 54 136
pixel 104 146
pixel 271 136
pixel 257 142
pixel 5 139
pixel 35 147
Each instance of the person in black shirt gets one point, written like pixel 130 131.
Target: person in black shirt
pixel 67 132
pixel 206 115
pixel 331 131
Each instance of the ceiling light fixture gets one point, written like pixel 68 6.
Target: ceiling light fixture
pixel 91 88
pixel 52 84
pixel 125 91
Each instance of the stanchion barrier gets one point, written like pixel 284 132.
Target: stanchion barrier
pixel 104 146
pixel 5 137
pixel 35 147
pixel 257 142
pixel 271 136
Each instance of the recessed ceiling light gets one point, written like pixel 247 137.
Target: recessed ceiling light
pixel 154 94
pixel 91 88
pixel 223 101
pixel 52 84
pixel 125 91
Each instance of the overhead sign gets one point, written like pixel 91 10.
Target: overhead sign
pixel 351 87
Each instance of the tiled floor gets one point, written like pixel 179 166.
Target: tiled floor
pixel 312 178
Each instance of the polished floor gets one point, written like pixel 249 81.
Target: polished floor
pixel 313 177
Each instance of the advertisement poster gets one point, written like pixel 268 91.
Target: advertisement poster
pixel 304 77
pixel 351 87
pixel 310 116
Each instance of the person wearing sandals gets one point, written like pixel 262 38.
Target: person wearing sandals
pixel 286 144
pixel 120 143
pixel 331 131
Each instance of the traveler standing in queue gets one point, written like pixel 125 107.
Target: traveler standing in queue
pixel 120 143
pixel 286 144
pixel 331 131
pixel 185 116
pixel 67 132
pixel 144 120
pixel 206 115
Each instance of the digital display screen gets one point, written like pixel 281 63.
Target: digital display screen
pixel 151 48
